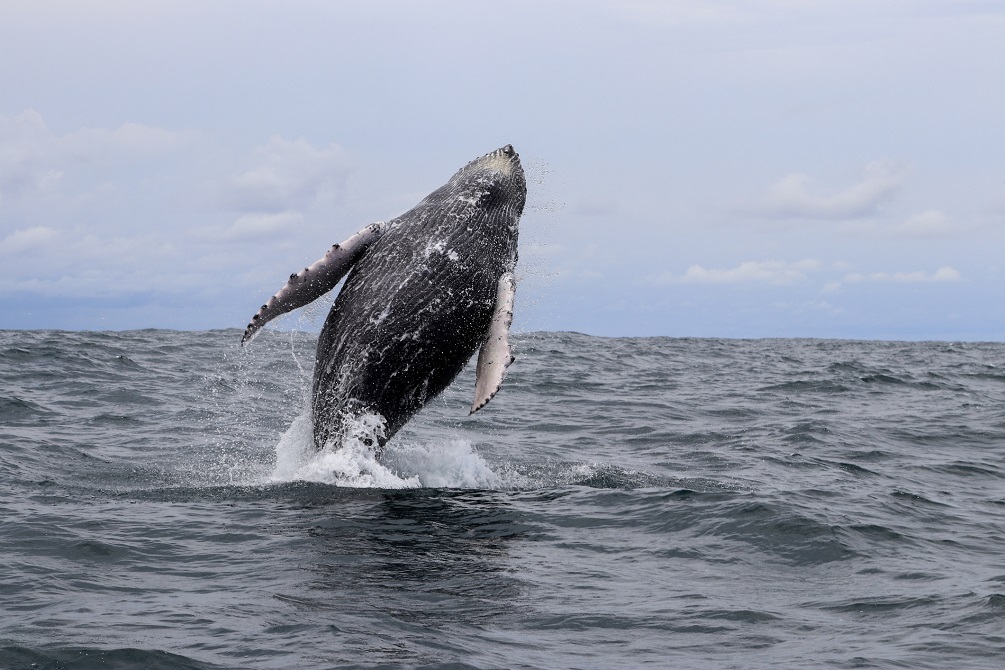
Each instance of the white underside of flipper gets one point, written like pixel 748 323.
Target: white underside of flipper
pixel 313 282
pixel 496 355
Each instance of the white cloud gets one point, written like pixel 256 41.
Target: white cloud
pixel 26 156
pixel 105 283
pixel 130 140
pixel 114 212
pixel 255 226
pixel 943 274
pixel 34 160
pixel 930 223
pixel 767 272
pixel 74 263
pixel 27 239
pixel 795 196
pixel 288 175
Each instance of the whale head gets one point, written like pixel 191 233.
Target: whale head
pixel 494 179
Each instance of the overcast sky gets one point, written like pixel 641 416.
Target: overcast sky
pixel 696 167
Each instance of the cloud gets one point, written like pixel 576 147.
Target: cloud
pixel 26 240
pixel 255 226
pixel 288 175
pixel 26 156
pixel 831 287
pixel 766 272
pixel 34 160
pixel 74 263
pixel 130 140
pixel 113 212
pixel 943 274
pixel 793 196
pixel 930 223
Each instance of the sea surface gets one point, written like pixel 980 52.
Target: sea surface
pixel 622 503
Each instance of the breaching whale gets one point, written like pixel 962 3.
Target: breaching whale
pixel 425 291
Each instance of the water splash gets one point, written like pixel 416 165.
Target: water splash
pixel 452 464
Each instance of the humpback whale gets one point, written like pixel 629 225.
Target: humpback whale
pixel 425 291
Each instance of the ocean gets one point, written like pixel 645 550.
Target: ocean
pixel 627 502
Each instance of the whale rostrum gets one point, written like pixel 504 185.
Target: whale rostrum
pixel 424 291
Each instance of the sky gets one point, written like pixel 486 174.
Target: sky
pixel 705 168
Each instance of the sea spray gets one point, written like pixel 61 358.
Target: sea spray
pixel 450 464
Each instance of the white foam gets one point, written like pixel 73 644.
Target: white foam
pixel 450 464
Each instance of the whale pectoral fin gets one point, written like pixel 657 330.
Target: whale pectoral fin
pixel 313 282
pixel 496 354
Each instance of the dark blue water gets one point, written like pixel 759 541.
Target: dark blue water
pixel 690 503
